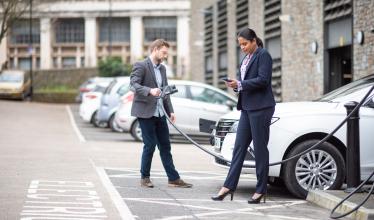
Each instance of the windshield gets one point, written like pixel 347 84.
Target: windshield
pixel 11 77
pixel 348 89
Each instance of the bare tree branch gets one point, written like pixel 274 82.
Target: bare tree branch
pixel 10 11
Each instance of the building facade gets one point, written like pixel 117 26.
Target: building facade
pixel 316 45
pixel 74 34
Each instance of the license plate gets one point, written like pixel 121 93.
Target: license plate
pixel 217 143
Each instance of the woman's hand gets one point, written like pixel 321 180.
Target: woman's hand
pixel 232 84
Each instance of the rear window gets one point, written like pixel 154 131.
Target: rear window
pixel 110 87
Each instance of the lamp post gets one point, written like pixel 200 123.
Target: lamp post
pixel 110 28
pixel 30 50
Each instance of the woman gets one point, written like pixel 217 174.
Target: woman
pixel 256 102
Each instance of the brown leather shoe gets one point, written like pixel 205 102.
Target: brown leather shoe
pixel 146 182
pixel 180 183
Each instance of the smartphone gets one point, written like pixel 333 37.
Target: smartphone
pixel 226 79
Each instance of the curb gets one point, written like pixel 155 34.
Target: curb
pixel 328 201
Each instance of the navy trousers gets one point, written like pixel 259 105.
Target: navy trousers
pixel 155 131
pixel 253 125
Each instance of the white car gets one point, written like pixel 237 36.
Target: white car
pixel 91 102
pixel 297 126
pixel 192 101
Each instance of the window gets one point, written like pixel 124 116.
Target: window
pixel 114 29
pixel 123 89
pixel 160 27
pixel 24 63
pixel 69 31
pixel 182 92
pixel 207 95
pixel 20 32
pixel 208 64
pixel 69 62
pixel 222 57
pixel 273 45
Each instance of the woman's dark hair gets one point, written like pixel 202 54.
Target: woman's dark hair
pixel 250 35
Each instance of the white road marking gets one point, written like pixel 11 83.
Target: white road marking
pixel 121 206
pixel 160 174
pixel 246 211
pixel 74 125
pixel 154 201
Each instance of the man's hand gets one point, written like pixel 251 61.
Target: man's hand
pixel 172 117
pixel 155 92
pixel 232 84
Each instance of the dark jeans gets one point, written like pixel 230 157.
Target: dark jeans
pixel 253 125
pixel 155 131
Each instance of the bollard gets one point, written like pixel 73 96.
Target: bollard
pixel 353 174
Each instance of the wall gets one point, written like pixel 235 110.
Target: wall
pixel 302 70
pixel 363 55
pixel 197 39
pixel 71 78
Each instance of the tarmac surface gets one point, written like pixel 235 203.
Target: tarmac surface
pixel 53 166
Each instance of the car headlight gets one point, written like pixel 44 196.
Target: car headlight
pixel 234 127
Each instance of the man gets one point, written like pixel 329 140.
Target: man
pixel 146 79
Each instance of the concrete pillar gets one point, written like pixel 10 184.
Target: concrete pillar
pixel 3 50
pixel 45 43
pixel 183 47
pixel 231 41
pixel 90 50
pixel 136 38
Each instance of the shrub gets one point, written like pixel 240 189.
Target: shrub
pixel 113 66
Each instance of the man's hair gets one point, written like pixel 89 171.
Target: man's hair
pixel 158 43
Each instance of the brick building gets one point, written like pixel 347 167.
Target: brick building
pixel 316 45
pixel 79 33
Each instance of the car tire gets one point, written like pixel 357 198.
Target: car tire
pixel 96 122
pixel 136 132
pixel 113 125
pixel 314 172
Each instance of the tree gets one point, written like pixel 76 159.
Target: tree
pixel 10 11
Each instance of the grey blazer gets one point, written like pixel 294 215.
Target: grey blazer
pixel 142 79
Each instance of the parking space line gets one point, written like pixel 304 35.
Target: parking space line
pixel 74 125
pixel 120 204
pixel 245 211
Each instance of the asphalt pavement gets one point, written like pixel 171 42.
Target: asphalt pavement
pixel 53 166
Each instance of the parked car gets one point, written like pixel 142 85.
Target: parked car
pixel 297 126
pixel 91 103
pixel 89 85
pixel 192 101
pixel 15 84
pixel 110 102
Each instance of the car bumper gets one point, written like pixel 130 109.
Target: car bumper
pixel 11 95
pixel 86 113
pixel 125 122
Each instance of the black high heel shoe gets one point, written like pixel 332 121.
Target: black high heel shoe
pixel 257 200
pixel 222 196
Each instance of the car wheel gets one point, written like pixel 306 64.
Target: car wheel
pixel 136 132
pixel 97 123
pixel 113 125
pixel 322 168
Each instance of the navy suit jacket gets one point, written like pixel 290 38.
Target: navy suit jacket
pixel 256 90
